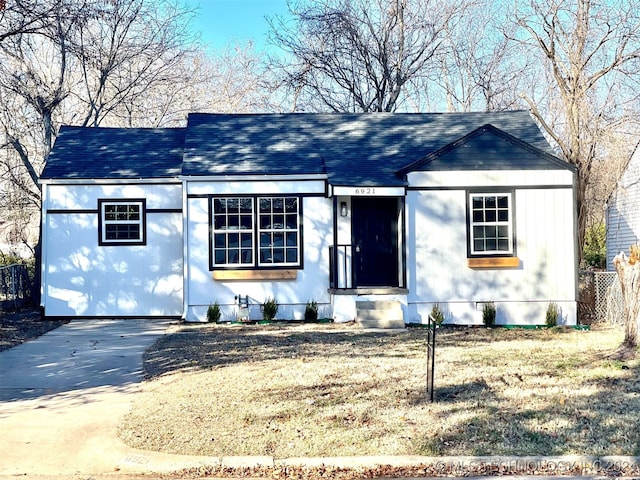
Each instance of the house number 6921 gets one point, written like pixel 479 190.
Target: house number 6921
pixel 365 191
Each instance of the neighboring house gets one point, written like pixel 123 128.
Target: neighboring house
pixel 343 209
pixel 623 211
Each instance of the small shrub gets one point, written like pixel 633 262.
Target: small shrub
pixel 311 310
pixel 213 313
pixel 269 309
pixel 437 314
pixel 553 313
pixel 489 314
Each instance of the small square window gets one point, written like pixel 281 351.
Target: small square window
pixel 490 224
pixel 121 222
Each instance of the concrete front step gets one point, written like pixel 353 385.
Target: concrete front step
pixel 379 314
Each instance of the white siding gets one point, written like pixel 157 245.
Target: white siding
pixel 623 212
pixel 312 281
pixel 82 278
pixel 437 258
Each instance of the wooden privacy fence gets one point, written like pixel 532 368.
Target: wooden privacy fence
pixel 15 286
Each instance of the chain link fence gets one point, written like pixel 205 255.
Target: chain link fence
pixel 15 287
pixel 600 298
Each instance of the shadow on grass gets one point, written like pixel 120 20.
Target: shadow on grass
pixel 219 347
pixel 571 423
pixel 582 403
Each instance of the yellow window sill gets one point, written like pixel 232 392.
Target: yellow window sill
pixel 493 262
pixel 255 274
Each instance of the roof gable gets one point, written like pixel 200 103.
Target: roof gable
pixel 488 148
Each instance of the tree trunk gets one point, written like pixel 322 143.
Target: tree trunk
pixel 629 276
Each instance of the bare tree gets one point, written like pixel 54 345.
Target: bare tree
pixel 126 48
pixel 589 51
pixel 25 16
pixel 88 62
pixel 360 55
pixel 480 68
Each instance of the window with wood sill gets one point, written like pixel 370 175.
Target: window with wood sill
pixel 261 233
pixel 490 229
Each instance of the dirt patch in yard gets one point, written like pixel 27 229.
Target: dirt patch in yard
pixel 19 327
pixel 300 391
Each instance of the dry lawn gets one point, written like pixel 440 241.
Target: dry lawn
pixel 335 391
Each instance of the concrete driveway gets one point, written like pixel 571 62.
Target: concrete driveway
pixel 78 355
pixel 63 395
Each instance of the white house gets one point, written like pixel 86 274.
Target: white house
pixel 347 210
pixel 623 214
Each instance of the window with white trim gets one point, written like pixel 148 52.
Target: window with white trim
pixel 255 232
pixel 491 224
pixel 122 222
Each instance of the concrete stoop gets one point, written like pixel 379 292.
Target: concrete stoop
pixel 379 314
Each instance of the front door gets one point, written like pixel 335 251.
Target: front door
pixel 375 241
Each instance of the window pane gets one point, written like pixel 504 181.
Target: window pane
pixel 490 202
pixel 219 240
pixel 265 205
pixel 246 205
pixel 503 202
pixel 247 256
pixel 291 205
pixel 478 203
pixel 278 255
pixel 233 222
pixel 234 255
pixel 265 255
pixel 278 239
pixel 265 239
pixel 246 222
pixel 247 240
pixel 503 215
pixel 292 255
pixel 490 216
pixel 278 205
pixel 503 245
pixel 292 239
pixel 220 257
pixel 478 245
pixel 233 205
pixel 478 216
pixel 234 240
pixel 265 222
pixel 278 222
pixel 219 205
pixel 491 244
pixel 292 222
pixel 219 222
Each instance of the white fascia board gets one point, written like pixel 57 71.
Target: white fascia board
pixel 107 181
pixel 254 178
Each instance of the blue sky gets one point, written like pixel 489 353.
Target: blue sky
pixel 221 22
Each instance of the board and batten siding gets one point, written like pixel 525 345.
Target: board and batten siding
pixel 623 212
pixel 438 271
pixel 82 278
pixel 310 283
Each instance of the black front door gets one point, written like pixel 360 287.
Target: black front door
pixel 375 241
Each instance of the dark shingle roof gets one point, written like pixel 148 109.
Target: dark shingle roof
pixel 352 149
pixel 488 148
pixel 115 153
pixel 355 149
